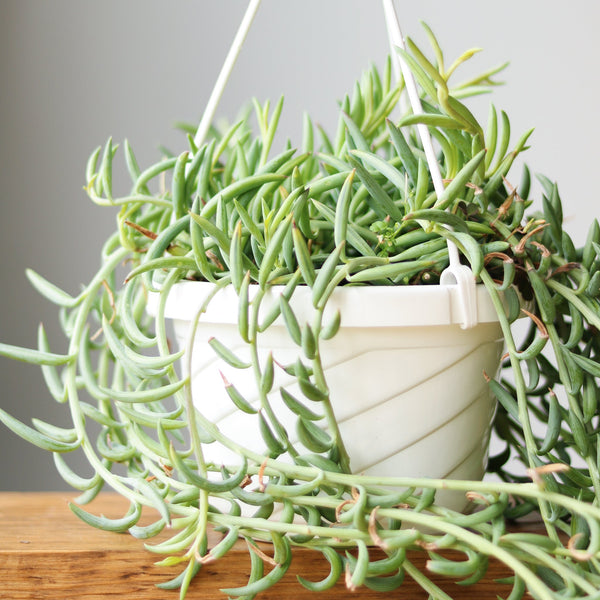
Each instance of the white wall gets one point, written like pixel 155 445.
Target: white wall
pixel 73 72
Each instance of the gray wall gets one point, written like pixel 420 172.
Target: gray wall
pixel 74 71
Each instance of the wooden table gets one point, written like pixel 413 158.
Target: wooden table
pixel 48 553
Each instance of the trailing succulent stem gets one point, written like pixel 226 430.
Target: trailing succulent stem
pixel 357 208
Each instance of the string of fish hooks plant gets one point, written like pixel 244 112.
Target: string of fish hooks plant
pixel 355 208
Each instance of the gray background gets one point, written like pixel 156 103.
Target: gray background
pixel 74 72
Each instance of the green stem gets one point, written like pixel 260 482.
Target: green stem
pixel 521 389
pixel 572 298
pixel 574 406
pixel 189 401
pixel 426 584
pixel 83 311
pixel 319 373
pixel 203 500
pixel 264 400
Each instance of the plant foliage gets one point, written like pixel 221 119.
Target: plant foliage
pixel 356 207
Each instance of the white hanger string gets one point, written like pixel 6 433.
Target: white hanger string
pixel 456 272
pixel 226 69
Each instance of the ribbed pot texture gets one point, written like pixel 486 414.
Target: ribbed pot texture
pixel 406 382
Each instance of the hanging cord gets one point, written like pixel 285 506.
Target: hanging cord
pixel 226 69
pixel 456 273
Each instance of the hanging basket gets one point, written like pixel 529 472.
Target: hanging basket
pixel 406 381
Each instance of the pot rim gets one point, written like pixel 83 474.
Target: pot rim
pixel 360 306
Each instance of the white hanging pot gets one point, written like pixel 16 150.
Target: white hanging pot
pixel 406 381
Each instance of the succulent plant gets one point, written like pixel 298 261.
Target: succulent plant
pixel 356 207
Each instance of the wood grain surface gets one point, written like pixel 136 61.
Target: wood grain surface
pixel 46 552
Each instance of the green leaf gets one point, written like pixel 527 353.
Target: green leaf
pixel 237 188
pixel 325 275
pixel 355 133
pixel 331 329
pixel 441 121
pixel 224 142
pixel 354 235
pixel 409 161
pixel 144 396
pixel 243 308
pixel 236 264
pixel 236 397
pixel 503 140
pixel 269 134
pixel 336 566
pixel 423 78
pixel 309 343
pixel 303 256
pixel 553 426
pixel 469 247
pixel 105 173
pixel 491 136
pixel 34 357
pixel 115 452
pixel 91 166
pixel 249 223
pixel 382 204
pixel 457 185
pixel 147 418
pixel 51 376
pixel 60 434
pixel 50 291
pixel 273 445
pixel 289 318
pixel 268 375
pixel 273 250
pixel 116 525
pixel 360 568
pixel 227 355
pixel 506 399
pixel 297 407
pixel 213 231
pixel 152 172
pixel 179 189
pixel 442 217
pixel 35 437
pixel 382 166
pixel 342 209
pixel 157 501
pixel 71 478
pixel 390 271
pixel 198 247
pixel 587 364
pixel 139 364
pixel 194 168
pixel 309 389
pixel 147 531
pixel 258 585
pixel 312 437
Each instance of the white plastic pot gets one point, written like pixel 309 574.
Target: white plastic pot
pixel 406 382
